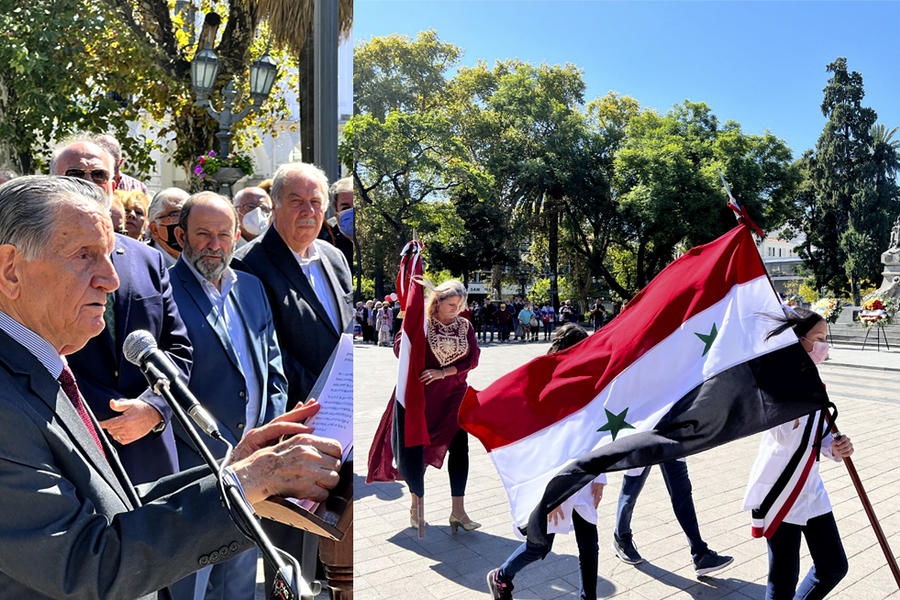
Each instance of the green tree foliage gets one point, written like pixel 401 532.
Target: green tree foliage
pixel 98 66
pixel 403 142
pixel 608 190
pixel 55 79
pixel 521 123
pixel 650 184
pixel 849 196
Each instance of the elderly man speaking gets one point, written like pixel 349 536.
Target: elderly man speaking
pixel 71 523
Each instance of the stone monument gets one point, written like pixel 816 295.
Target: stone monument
pixel 890 283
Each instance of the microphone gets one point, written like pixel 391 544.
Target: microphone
pixel 140 350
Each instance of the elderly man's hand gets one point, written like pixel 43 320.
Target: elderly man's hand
pixel 136 420
pixel 302 466
pixel 282 426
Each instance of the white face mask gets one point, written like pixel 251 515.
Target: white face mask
pixel 255 221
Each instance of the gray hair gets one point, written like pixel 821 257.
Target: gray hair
pixel 343 185
pixel 192 200
pixel 248 190
pixel 452 288
pixel 111 145
pixel 306 169
pixel 79 138
pixel 29 206
pixel 173 194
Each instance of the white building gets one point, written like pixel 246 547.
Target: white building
pixel 781 260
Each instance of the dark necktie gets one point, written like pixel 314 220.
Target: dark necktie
pixel 67 382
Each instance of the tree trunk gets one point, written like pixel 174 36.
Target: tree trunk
pixel 379 281
pixel 306 64
pixel 552 216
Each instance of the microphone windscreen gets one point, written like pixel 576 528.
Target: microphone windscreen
pixel 137 344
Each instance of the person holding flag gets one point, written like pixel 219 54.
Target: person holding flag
pixel 436 348
pixel 686 366
pixel 578 513
pixel 786 494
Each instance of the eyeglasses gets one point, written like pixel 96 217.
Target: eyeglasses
pixel 245 208
pixel 170 218
pixel 98 176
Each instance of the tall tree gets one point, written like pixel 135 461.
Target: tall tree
pixel 401 138
pixel 843 179
pixel 521 124
pixel 667 189
pixel 100 66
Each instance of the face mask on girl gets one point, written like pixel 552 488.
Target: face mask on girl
pixel 819 351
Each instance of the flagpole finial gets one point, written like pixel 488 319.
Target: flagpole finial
pixel 740 212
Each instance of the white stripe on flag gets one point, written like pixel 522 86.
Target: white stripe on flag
pixel 403 367
pixel 647 388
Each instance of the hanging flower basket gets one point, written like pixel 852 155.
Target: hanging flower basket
pixel 210 164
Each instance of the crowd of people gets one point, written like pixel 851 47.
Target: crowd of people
pixel 245 297
pixel 515 319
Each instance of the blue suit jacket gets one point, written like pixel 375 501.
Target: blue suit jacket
pixel 143 301
pixel 306 333
pixel 216 378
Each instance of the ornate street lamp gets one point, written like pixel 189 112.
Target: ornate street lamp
pixel 204 69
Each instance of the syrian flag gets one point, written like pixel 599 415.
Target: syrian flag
pixel 686 366
pixel 410 392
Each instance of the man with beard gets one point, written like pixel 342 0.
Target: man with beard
pixel 238 375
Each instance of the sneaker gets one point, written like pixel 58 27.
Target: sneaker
pixel 626 551
pixel 710 562
pixel 499 590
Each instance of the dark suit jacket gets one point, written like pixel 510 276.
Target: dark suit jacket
pixel 143 301
pixel 305 332
pixel 71 524
pixel 216 377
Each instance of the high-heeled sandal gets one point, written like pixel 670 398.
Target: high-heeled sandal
pixel 417 519
pixel 469 525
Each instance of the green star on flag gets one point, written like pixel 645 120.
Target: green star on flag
pixel 708 338
pixel 615 423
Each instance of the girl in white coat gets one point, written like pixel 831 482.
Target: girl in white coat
pixel 786 494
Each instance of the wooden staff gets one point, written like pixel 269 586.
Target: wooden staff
pixel 867 506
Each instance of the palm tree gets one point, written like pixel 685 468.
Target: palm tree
pixel 291 27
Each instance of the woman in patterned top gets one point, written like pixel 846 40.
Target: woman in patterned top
pixel 452 350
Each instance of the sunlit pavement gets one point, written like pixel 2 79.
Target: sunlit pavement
pixel 390 562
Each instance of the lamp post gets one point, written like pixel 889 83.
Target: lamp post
pixel 204 69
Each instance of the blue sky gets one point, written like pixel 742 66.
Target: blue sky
pixel 759 63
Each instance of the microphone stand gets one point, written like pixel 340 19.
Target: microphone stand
pixel 286 585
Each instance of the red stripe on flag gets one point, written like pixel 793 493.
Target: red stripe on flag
pixel 552 387
pixel 412 302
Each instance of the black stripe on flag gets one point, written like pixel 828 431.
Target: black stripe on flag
pixel 748 398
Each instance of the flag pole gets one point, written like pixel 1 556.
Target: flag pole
pixel 867 506
pixel 741 215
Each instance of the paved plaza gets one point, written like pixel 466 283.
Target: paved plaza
pixel 390 562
